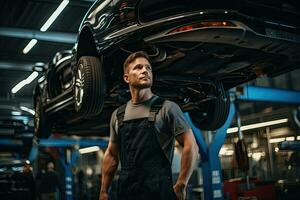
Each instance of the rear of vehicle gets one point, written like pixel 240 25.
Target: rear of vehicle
pixel 230 41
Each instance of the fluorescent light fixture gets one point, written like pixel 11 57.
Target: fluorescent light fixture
pixel 39 64
pixel 27 110
pixel 258 125
pixel 16 113
pixel 232 130
pixel 29 46
pixel 28 80
pixel 298 137
pixel 292 138
pixel 3 169
pixel 276 140
pixel 89 149
pixel 52 18
pixel 47 24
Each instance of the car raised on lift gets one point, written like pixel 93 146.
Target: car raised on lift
pixel 198 49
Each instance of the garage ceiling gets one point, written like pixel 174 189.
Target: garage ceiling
pixel 28 16
pixel 21 18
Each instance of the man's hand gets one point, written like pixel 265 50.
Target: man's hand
pixel 180 191
pixel 188 160
pixel 103 195
pixel 109 167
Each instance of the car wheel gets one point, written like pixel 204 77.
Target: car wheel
pixel 216 113
pixel 89 86
pixel 42 125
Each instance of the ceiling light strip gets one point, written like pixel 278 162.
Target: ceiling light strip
pixel 89 149
pixel 258 125
pixel 28 80
pixel 282 139
pixel 27 110
pixel 52 18
pixel 47 24
pixel 29 46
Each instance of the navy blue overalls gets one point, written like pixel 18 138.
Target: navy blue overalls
pixel 145 170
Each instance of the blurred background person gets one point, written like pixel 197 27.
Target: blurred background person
pixel 28 179
pixel 50 183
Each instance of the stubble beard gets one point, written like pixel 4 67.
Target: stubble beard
pixel 143 85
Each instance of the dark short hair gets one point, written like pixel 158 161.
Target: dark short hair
pixel 133 56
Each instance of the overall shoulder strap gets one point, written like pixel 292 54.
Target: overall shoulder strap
pixel 120 114
pixel 155 108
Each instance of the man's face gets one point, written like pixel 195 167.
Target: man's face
pixel 139 74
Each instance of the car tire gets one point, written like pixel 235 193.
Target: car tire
pixel 42 124
pixel 216 110
pixel 89 87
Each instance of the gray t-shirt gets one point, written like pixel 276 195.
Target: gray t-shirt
pixel 169 122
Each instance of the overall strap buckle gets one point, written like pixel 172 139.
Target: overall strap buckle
pixel 155 108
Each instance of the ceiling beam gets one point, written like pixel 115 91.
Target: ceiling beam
pixel 16 101
pixel 18 57
pixel 59 37
pixel 14 65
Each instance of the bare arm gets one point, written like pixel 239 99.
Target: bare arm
pixel 109 168
pixel 188 160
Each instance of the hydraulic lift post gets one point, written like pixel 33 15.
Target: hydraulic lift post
pixel 210 161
